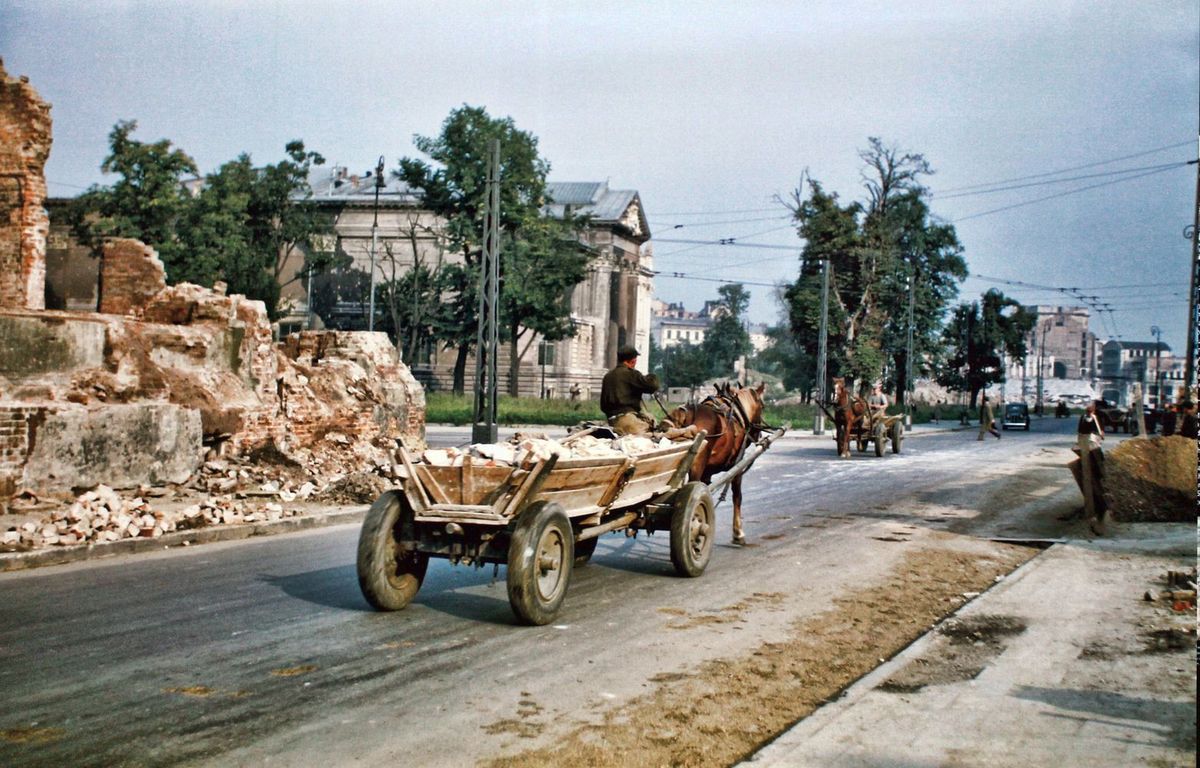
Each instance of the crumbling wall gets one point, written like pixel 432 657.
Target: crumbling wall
pixel 130 276
pixel 24 147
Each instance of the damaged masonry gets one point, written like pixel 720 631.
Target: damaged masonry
pixel 171 407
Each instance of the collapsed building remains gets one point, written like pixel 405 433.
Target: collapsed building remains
pixel 164 383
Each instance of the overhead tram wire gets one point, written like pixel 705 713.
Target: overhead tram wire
pixel 1069 170
pixel 1064 193
pixel 1121 172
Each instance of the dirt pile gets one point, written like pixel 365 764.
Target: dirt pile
pixel 1152 480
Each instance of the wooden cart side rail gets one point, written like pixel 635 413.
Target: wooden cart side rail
pixel 531 485
pixel 412 484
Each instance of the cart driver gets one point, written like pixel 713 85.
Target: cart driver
pixel 621 394
pixel 877 402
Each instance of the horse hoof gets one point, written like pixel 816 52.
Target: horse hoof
pixel 739 539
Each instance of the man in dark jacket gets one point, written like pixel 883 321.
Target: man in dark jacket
pixel 621 394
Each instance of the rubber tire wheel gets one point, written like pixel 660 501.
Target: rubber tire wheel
pixel 880 437
pixel 897 436
pixel 1027 426
pixel 389 579
pixel 584 551
pixel 543 537
pixel 693 519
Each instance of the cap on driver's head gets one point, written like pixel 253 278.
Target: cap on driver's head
pixel 627 352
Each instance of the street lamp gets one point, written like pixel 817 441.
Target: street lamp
pixel 375 240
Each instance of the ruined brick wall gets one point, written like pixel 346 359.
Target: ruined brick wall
pixel 14 445
pixel 130 275
pixel 24 147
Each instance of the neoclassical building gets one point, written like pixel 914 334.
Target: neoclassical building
pixel 609 308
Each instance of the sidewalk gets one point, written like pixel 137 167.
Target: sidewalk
pixel 1062 664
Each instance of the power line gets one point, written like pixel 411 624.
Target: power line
pixel 1064 193
pixel 1069 170
pixel 720 212
pixel 1123 171
pixel 683 276
pixel 726 221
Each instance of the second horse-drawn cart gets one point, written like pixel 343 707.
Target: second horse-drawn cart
pixel 879 429
pixel 539 518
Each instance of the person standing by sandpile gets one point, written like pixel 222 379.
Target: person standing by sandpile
pixel 1088 469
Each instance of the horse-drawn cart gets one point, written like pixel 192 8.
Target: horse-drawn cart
pixel 880 430
pixel 540 518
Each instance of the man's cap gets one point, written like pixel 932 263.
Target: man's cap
pixel 626 352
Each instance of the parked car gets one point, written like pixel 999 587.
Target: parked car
pixel 1016 415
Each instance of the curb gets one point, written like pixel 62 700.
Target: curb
pixel 775 752
pixel 18 561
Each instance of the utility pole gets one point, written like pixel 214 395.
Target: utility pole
pixel 1041 364
pixel 822 341
pixel 908 356
pixel 483 430
pixel 1158 394
pixel 375 241
pixel 1189 371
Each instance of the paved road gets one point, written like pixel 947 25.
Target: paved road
pixel 263 651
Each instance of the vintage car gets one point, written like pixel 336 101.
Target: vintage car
pixel 1016 415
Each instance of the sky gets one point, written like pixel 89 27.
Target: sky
pixel 711 111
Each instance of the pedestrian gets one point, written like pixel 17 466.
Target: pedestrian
pixel 937 412
pixel 621 393
pixel 1169 420
pixel 1187 425
pixel 1089 434
pixel 987 422
pixel 576 391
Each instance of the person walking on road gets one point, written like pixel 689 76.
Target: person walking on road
pixel 987 422
pixel 1089 469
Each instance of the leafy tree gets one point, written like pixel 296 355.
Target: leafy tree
pixel 875 251
pixel 977 335
pixel 683 365
pixel 541 267
pixel 785 358
pixel 145 201
pixel 726 339
pixel 453 187
pixel 243 226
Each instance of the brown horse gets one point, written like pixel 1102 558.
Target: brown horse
pixel 848 412
pixel 732 420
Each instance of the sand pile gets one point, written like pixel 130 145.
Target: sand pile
pixel 1152 480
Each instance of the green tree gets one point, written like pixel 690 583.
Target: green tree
pixel 978 335
pixel 876 250
pixel 726 339
pixel 683 365
pixel 541 267
pixel 453 186
pixel 785 358
pixel 145 202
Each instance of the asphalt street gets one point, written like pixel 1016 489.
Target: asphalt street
pixel 263 651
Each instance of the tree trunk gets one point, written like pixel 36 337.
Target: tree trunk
pixel 460 369
pixel 514 360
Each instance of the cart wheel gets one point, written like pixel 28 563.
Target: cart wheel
pixel 897 436
pixel 692 521
pixel 584 551
pixel 880 437
pixel 388 575
pixel 540 557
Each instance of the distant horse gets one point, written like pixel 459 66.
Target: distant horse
pixel 732 419
pixel 848 412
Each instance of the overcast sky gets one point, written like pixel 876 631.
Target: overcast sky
pixel 708 110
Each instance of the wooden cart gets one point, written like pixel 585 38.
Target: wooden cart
pixel 879 430
pixel 540 520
